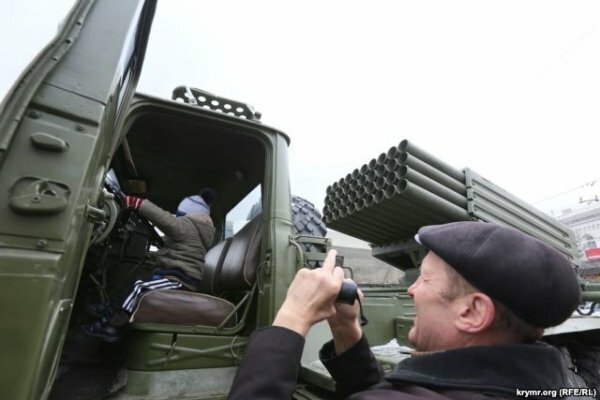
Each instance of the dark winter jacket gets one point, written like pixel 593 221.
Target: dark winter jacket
pixel 272 361
pixel 187 238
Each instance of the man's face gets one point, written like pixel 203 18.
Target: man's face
pixel 433 327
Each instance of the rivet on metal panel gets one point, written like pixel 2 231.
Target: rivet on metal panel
pixel 33 114
pixel 42 243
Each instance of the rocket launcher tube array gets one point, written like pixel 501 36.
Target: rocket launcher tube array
pixel 388 199
pixel 391 196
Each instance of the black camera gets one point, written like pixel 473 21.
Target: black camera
pixel 349 291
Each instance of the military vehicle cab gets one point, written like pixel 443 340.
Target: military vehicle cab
pixel 75 138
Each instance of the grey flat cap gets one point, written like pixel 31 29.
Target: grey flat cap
pixel 531 278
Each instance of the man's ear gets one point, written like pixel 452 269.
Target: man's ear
pixel 476 312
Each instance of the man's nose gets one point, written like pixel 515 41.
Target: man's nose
pixel 411 289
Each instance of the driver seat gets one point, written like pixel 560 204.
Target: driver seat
pixel 231 265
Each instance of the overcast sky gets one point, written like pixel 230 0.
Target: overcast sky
pixel 510 89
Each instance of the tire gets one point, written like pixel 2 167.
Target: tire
pixel 306 220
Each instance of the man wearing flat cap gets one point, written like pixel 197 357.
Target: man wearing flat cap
pixel 484 296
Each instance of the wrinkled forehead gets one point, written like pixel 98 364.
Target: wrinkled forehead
pixel 434 265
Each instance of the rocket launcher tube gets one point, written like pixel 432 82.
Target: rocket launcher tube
pixel 362 229
pixel 408 147
pixel 392 178
pixel 393 152
pixel 387 219
pixel 436 203
pixel 411 215
pixel 381 169
pixel 433 173
pixel 432 186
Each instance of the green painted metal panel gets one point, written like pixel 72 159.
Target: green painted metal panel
pixel 57 126
pixel 161 351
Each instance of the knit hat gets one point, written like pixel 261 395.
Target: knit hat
pixel 526 275
pixel 193 205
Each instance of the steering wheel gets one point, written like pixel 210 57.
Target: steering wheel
pixel 111 210
pixel 124 214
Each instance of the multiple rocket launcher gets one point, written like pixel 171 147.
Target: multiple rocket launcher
pixel 387 200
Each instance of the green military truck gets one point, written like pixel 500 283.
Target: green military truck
pixel 75 137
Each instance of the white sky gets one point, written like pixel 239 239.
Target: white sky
pixel 510 89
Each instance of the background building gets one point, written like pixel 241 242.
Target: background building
pixel 584 219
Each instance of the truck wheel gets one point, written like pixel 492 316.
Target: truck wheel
pixel 306 220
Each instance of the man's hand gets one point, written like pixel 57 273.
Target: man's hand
pixel 133 203
pixel 311 296
pixel 345 326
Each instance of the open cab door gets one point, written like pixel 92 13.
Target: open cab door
pixel 59 127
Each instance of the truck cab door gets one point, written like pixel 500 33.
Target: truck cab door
pixel 59 127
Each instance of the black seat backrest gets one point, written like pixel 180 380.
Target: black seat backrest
pixel 232 264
